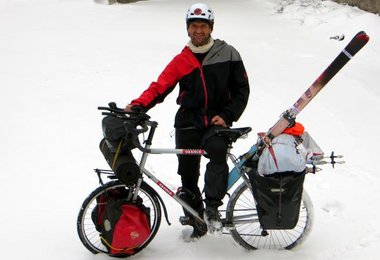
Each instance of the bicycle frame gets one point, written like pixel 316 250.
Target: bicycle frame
pixel 240 217
pixel 234 175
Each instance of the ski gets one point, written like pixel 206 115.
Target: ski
pixel 288 117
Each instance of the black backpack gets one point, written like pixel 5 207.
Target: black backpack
pixel 278 197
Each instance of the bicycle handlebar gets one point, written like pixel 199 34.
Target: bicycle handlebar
pixel 117 111
pixel 112 107
pixel 140 118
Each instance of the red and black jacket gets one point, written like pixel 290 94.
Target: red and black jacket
pixel 218 86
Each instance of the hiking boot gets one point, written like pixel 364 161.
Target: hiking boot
pixel 199 230
pixel 195 201
pixel 212 219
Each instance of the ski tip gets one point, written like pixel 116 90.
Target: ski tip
pixel 362 36
pixel 358 42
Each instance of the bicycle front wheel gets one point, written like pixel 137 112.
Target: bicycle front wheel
pixel 86 229
pixel 245 226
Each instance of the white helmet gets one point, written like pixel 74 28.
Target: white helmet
pixel 200 11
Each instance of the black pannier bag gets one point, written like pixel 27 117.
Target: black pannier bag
pixel 116 147
pixel 278 198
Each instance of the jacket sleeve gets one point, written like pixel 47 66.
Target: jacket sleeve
pixel 158 90
pixel 239 91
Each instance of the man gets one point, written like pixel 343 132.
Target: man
pixel 213 92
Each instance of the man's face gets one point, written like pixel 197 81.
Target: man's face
pixel 199 32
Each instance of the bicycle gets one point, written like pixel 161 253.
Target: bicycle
pixel 240 218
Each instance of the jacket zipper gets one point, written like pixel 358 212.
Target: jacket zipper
pixel 205 119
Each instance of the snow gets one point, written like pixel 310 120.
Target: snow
pixel 60 59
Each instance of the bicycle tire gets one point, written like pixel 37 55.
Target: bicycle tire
pixel 245 226
pixel 86 230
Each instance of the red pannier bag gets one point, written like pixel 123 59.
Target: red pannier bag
pixel 123 225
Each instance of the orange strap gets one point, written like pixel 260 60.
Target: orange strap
pixel 295 130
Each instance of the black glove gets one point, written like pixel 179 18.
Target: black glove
pixel 137 109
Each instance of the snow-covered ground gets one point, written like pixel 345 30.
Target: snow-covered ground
pixel 60 59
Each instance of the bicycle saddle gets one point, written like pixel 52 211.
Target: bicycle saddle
pixel 233 134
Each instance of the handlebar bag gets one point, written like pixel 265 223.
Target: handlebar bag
pixel 278 198
pixel 116 129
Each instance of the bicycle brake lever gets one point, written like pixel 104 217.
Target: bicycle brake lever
pixel 113 105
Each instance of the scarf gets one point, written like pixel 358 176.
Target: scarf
pixel 201 49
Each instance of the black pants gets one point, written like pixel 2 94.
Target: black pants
pixel 216 176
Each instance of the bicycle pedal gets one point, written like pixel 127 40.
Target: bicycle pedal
pixel 229 226
pixel 185 220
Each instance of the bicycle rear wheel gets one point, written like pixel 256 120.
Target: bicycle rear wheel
pixel 86 229
pixel 246 230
